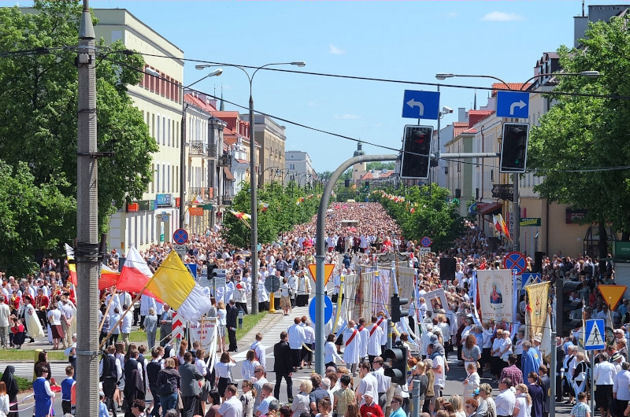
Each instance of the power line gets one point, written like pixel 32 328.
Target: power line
pixel 350 138
pixel 385 80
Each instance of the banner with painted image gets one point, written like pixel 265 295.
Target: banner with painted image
pixel 538 297
pixel 495 294
pixel 436 300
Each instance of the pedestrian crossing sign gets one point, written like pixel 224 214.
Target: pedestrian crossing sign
pixel 594 335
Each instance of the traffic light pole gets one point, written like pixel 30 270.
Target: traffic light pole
pixel 516 216
pixel 320 250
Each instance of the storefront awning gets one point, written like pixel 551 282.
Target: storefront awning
pixel 489 208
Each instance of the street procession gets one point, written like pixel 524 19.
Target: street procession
pixel 346 231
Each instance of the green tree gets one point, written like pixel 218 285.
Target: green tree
pixel 424 212
pixel 38 104
pixel 379 166
pixel 32 217
pixel 580 133
pixel 279 209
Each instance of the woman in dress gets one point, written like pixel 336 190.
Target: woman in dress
pixel 223 371
pixel 250 363
pixel 33 325
pixel 12 389
pixel 537 394
pixel 247 398
pixel 301 401
pixel 54 320
pixel 221 316
pixel 470 352
pixel 523 404
pixel 4 400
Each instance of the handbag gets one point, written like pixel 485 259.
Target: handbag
pixel 180 403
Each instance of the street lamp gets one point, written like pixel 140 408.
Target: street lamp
pixel 516 211
pixel 252 169
pixel 182 143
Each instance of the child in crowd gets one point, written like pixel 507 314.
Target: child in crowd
pixel 66 390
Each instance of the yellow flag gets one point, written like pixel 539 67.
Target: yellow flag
pixel 172 282
pixel 538 295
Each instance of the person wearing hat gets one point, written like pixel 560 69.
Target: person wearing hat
pixel 617 360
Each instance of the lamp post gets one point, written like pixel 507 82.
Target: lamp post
pixel 252 169
pixel 516 211
pixel 182 143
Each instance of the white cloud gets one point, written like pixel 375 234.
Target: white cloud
pixel 335 50
pixel 451 15
pixel 347 116
pixel 501 17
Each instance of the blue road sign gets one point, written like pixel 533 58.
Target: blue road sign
pixel 594 334
pixel 193 269
pixel 421 104
pixel 529 278
pixel 426 241
pixel 513 104
pixel 516 262
pixel 180 236
pixel 328 309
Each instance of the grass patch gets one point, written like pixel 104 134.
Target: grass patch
pixel 139 336
pixel 29 355
pixel 23 383
pixel 249 321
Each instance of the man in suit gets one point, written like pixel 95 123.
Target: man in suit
pixel 230 321
pixel 190 389
pixel 283 365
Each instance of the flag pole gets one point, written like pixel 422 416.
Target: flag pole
pixel 107 310
pixel 136 298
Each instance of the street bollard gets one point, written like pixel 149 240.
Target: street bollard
pixel 240 318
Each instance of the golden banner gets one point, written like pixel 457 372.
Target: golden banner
pixel 538 296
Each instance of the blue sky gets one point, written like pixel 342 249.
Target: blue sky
pixel 407 40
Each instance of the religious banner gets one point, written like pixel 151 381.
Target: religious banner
pixel 204 332
pixel 538 296
pixel 495 294
pixel 436 300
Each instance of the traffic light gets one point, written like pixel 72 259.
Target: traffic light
pixel 568 312
pixel 417 151
pixel 514 147
pixel 396 303
pixel 395 361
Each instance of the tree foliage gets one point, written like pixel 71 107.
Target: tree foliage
pixel 581 133
pixel 31 216
pixel 279 209
pixel 38 104
pixel 420 211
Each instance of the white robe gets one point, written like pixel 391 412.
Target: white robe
pixel 33 325
pixel 351 351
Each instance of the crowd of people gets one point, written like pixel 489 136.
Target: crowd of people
pixel 187 379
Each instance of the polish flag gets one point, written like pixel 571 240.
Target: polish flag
pixel 135 273
pixel 109 277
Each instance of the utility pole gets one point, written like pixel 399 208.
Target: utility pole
pixel 86 252
pixel 253 202
pixel 516 215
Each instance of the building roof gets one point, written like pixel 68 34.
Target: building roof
pixel 475 116
pixel 510 86
pixel 200 103
pixel 459 127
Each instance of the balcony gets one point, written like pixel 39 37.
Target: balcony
pixel 198 148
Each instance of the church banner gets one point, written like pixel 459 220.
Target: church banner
pixel 538 296
pixel 495 294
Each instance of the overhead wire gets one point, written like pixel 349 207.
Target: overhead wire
pixel 367 142
pixel 47 50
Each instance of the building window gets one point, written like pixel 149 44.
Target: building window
pixel 157 180
pixel 168 178
pixel 152 178
pixel 492 175
pixel 157 131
